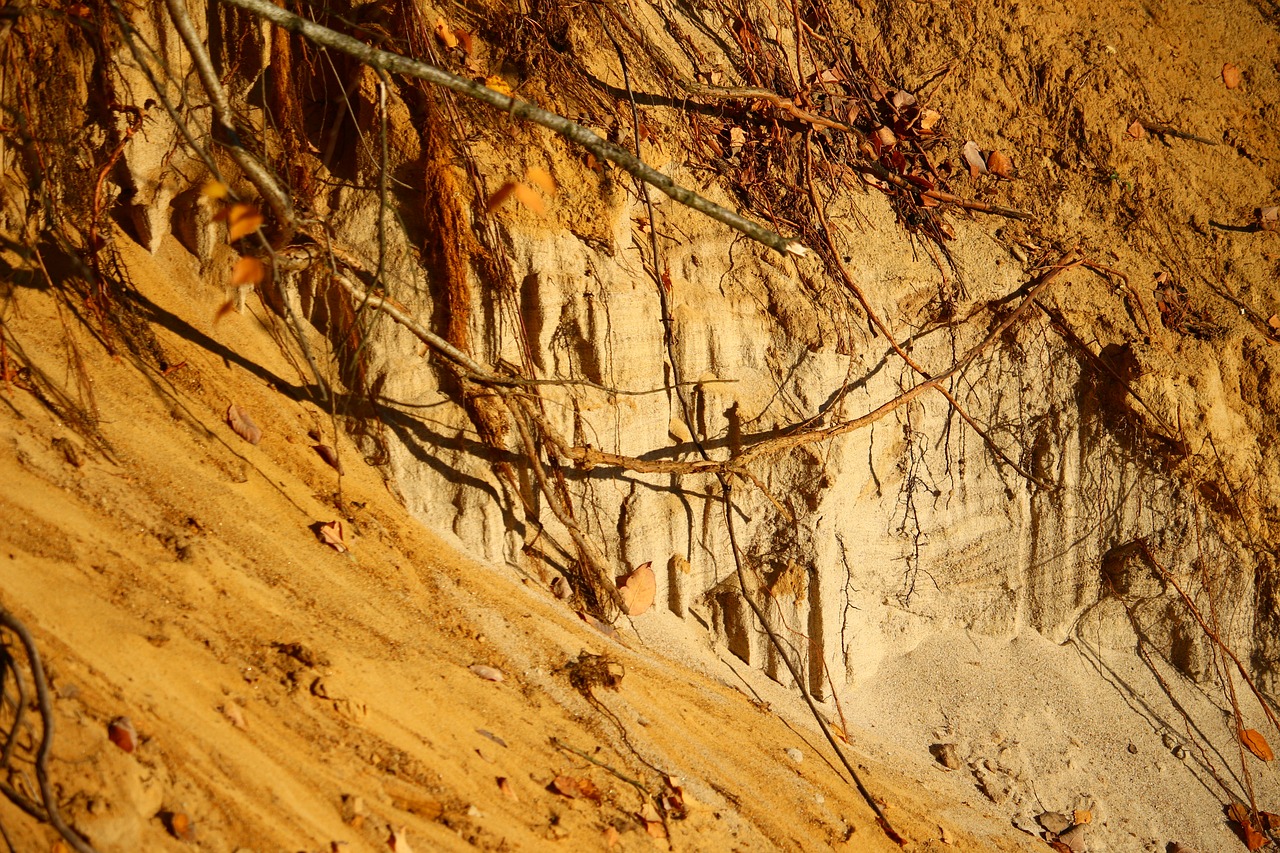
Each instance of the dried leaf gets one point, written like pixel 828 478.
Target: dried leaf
pixel 504 785
pixel 973 159
pixel 239 421
pixel 928 118
pixel 488 673
pixel 1257 744
pixel 445 34
pixel 589 790
pixel 330 456
pixel 1274 322
pixel 1231 75
pixel 1253 839
pixel 399 840
pixel 242 220
pixel 737 139
pixel 1239 812
pixel 120 731
pixel 1136 130
pixel 885 137
pixel 491 736
pixel 232 712
pixel 248 271
pixel 466 41
pixel 998 164
pixel 1269 218
pixel 499 85
pixel 1270 821
pixel 638 590
pixel 542 179
pixel 565 786
pixel 333 535
pixel 214 190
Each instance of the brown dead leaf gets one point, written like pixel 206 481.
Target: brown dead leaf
pixel 120 731
pixel 998 164
pixel 542 179
pixel 248 271
pixel 239 421
pixel 638 590
pixel 1253 839
pixel 928 118
pixel 1257 744
pixel 488 673
pixel 1231 75
pixel 466 41
pixel 1239 812
pixel 504 785
pixel 588 789
pixel 1270 821
pixel 242 220
pixel 1274 322
pixel 330 456
pixel 1268 218
pixel 333 535
pixel 1136 130
pixel 565 786
pixel 445 34
pixel 885 137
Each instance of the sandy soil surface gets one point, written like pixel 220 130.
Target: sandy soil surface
pixel 288 697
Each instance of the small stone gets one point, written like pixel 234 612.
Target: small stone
pixel 1054 822
pixel 946 755
pixel 819 799
pixel 794 754
pixel 1133 750
pixel 1180 752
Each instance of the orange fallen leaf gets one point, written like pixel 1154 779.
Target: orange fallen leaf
pixel 242 220
pixel 638 590
pixel 466 41
pixel 504 785
pixel 238 419
pixel 1253 839
pixel 1136 130
pixel 542 179
pixel 1257 744
pixel 1231 75
pixel 214 189
pixel 499 85
pixel 445 34
pixel 999 164
pixel 247 271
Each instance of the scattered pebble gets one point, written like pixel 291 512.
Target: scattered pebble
pixel 488 673
pixel 794 754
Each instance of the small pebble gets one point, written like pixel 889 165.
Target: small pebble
pixel 946 755
pixel 795 755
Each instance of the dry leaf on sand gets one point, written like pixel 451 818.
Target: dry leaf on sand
pixel 999 164
pixel 488 673
pixel 238 419
pixel 445 34
pixel 333 535
pixel 973 159
pixel 1257 744
pixel 504 785
pixel 638 589
pixel 122 734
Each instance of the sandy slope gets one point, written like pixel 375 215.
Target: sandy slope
pixel 173 578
